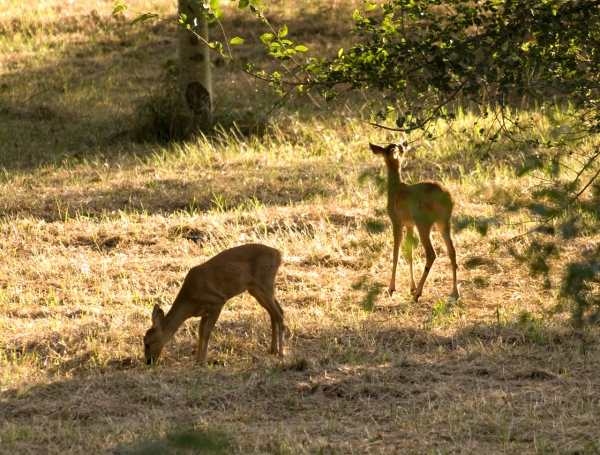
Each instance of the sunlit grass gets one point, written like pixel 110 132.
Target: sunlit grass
pixel 96 229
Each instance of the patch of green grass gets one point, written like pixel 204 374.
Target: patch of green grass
pixel 182 442
pixel 371 296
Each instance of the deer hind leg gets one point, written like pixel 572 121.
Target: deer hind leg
pixel 397 232
pixel 425 235
pixel 446 234
pixel 281 328
pixel 207 323
pixel 408 247
pixel 265 296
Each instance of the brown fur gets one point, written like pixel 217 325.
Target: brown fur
pixel 421 205
pixel 208 286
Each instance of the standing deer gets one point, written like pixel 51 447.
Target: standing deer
pixel 420 205
pixel 208 286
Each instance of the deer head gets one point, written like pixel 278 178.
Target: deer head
pixel 154 340
pixel 393 154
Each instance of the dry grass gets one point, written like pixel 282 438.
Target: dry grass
pixel 91 238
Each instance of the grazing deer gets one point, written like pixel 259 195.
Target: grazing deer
pixel 208 286
pixel 420 205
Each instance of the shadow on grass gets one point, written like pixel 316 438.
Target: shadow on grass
pixel 169 195
pixel 182 442
pixel 510 370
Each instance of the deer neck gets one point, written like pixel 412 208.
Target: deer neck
pixel 394 180
pixel 176 316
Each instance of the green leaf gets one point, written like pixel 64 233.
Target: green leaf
pixel 214 4
pixel 283 32
pixel 219 14
pixel 217 46
pixel 370 6
pixel 301 48
pixel 357 16
pixel 119 8
pixel 213 24
pixel 243 4
pixel 236 41
pixel 341 52
pixel 267 38
pixel 143 17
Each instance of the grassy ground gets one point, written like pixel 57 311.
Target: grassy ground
pixel 96 229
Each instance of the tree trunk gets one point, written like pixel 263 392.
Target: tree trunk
pixel 194 70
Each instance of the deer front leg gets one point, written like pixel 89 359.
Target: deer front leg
pixel 207 323
pixel 397 232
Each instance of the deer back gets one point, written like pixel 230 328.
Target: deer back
pixel 231 272
pixel 422 203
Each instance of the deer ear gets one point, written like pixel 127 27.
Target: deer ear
pixel 158 316
pixel 377 149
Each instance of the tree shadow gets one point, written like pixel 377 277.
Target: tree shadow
pixel 83 104
pixel 190 194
